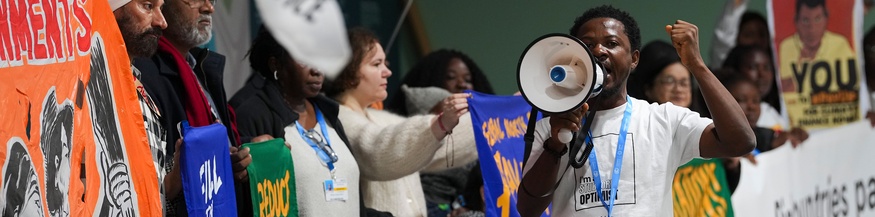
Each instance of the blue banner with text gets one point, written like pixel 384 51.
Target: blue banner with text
pixel 500 122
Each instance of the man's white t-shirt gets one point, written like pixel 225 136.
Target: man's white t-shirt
pixel 660 138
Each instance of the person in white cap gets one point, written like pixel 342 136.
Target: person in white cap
pixel 141 23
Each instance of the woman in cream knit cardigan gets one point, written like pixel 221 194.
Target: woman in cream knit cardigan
pixel 390 149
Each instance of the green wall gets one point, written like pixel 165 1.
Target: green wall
pixel 495 33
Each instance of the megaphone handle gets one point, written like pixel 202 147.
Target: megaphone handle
pixel 565 136
pixel 577 162
pixel 575 144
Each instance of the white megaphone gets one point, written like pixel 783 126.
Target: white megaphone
pixel 557 74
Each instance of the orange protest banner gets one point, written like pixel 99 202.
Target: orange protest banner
pixel 68 100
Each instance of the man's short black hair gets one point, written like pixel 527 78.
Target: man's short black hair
pixel 811 4
pixel 630 27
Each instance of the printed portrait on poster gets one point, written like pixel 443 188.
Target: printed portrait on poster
pixel 818 63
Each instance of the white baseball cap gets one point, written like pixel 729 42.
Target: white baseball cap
pixel 115 4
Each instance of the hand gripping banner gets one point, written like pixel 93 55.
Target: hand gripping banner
pixel 272 179
pixel 207 178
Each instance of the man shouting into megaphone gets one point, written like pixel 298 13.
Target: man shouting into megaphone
pixel 637 146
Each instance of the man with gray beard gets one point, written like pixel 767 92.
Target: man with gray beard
pixel 181 73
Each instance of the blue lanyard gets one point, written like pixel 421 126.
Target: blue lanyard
pixel 618 161
pixel 321 153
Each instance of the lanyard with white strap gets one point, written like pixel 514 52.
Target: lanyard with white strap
pixel 618 161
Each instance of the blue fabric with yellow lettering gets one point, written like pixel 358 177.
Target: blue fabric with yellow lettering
pixel 499 126
pixel 205 165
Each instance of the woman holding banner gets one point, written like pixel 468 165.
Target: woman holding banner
pixel 391 149
pixel 283 101
pixel 434 77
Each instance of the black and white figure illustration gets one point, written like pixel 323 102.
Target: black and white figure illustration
pixel 56 143
pixel 20 191
pixel 118 196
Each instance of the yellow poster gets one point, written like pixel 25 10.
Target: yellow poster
pixel 818 63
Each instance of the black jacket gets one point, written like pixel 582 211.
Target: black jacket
pixel 261 109
pixel 161 79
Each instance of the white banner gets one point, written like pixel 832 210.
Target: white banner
pixel 313 31
pixel 831 174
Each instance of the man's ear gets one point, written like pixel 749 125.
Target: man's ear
pixel 635 55
pixel 272 64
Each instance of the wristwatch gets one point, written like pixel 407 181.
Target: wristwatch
pixel 555 153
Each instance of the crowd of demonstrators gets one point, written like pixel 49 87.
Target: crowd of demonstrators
pixel 436 76
pixel 391 149
pixel 421 159
pixel 179 78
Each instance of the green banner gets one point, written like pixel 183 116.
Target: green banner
pixel 700 189
pixel 272 179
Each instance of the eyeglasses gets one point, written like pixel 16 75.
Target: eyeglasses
pixel 670 81
pixel 198 3
pixel 316 137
